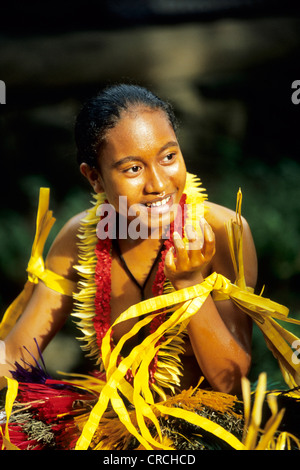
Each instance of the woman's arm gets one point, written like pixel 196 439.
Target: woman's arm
pixel 47 310
pixel 220 333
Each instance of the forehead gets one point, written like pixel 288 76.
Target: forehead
pixel 138 130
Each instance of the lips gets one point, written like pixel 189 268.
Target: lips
pixel 158 203
pixel 160 206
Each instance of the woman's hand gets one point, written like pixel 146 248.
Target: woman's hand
pixel 184 266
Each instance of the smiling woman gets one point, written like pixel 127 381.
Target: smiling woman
pixel 164 292
pixel 140 157
pixel 153 179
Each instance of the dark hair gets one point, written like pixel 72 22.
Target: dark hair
pixel 104 111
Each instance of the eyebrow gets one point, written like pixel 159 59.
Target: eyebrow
pixel 125 160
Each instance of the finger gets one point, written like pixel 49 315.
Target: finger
pixel 195 238
pixel 170 266
pixel 182 258
pixel 208 249
pixel 195 245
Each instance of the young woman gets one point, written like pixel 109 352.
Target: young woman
pixel 129 152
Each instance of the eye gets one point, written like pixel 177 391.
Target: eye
pixel 133 169
pixel 169 158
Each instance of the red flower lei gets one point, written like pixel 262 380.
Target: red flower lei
pixel 102 321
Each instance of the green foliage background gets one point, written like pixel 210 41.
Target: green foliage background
pixel 262 157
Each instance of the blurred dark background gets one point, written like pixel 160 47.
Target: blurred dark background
pixel 228 68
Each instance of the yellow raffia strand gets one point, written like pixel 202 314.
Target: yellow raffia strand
pixel 284 442
pixel 86 382
pixel 15 310
pixel 256 416
pixel 203 423
pixel 36 267
pixel 268 438
pixel 246 392
pixel 11 394
pixel 235 237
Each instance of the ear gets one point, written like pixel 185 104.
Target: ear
pixel 93 176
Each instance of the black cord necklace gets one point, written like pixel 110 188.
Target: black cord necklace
pixel 143 286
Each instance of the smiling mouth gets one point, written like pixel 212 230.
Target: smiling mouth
pixel 162 202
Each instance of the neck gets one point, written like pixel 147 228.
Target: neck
pixel 145 245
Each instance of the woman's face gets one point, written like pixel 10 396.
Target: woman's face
pixel 141 162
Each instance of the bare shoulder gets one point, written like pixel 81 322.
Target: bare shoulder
pixel 218 216
pixel 63 254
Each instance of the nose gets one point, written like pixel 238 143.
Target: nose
pixel 155 181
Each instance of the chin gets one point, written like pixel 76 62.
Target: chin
pixel 155 225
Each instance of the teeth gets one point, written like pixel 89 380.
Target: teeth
pixel 159 203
